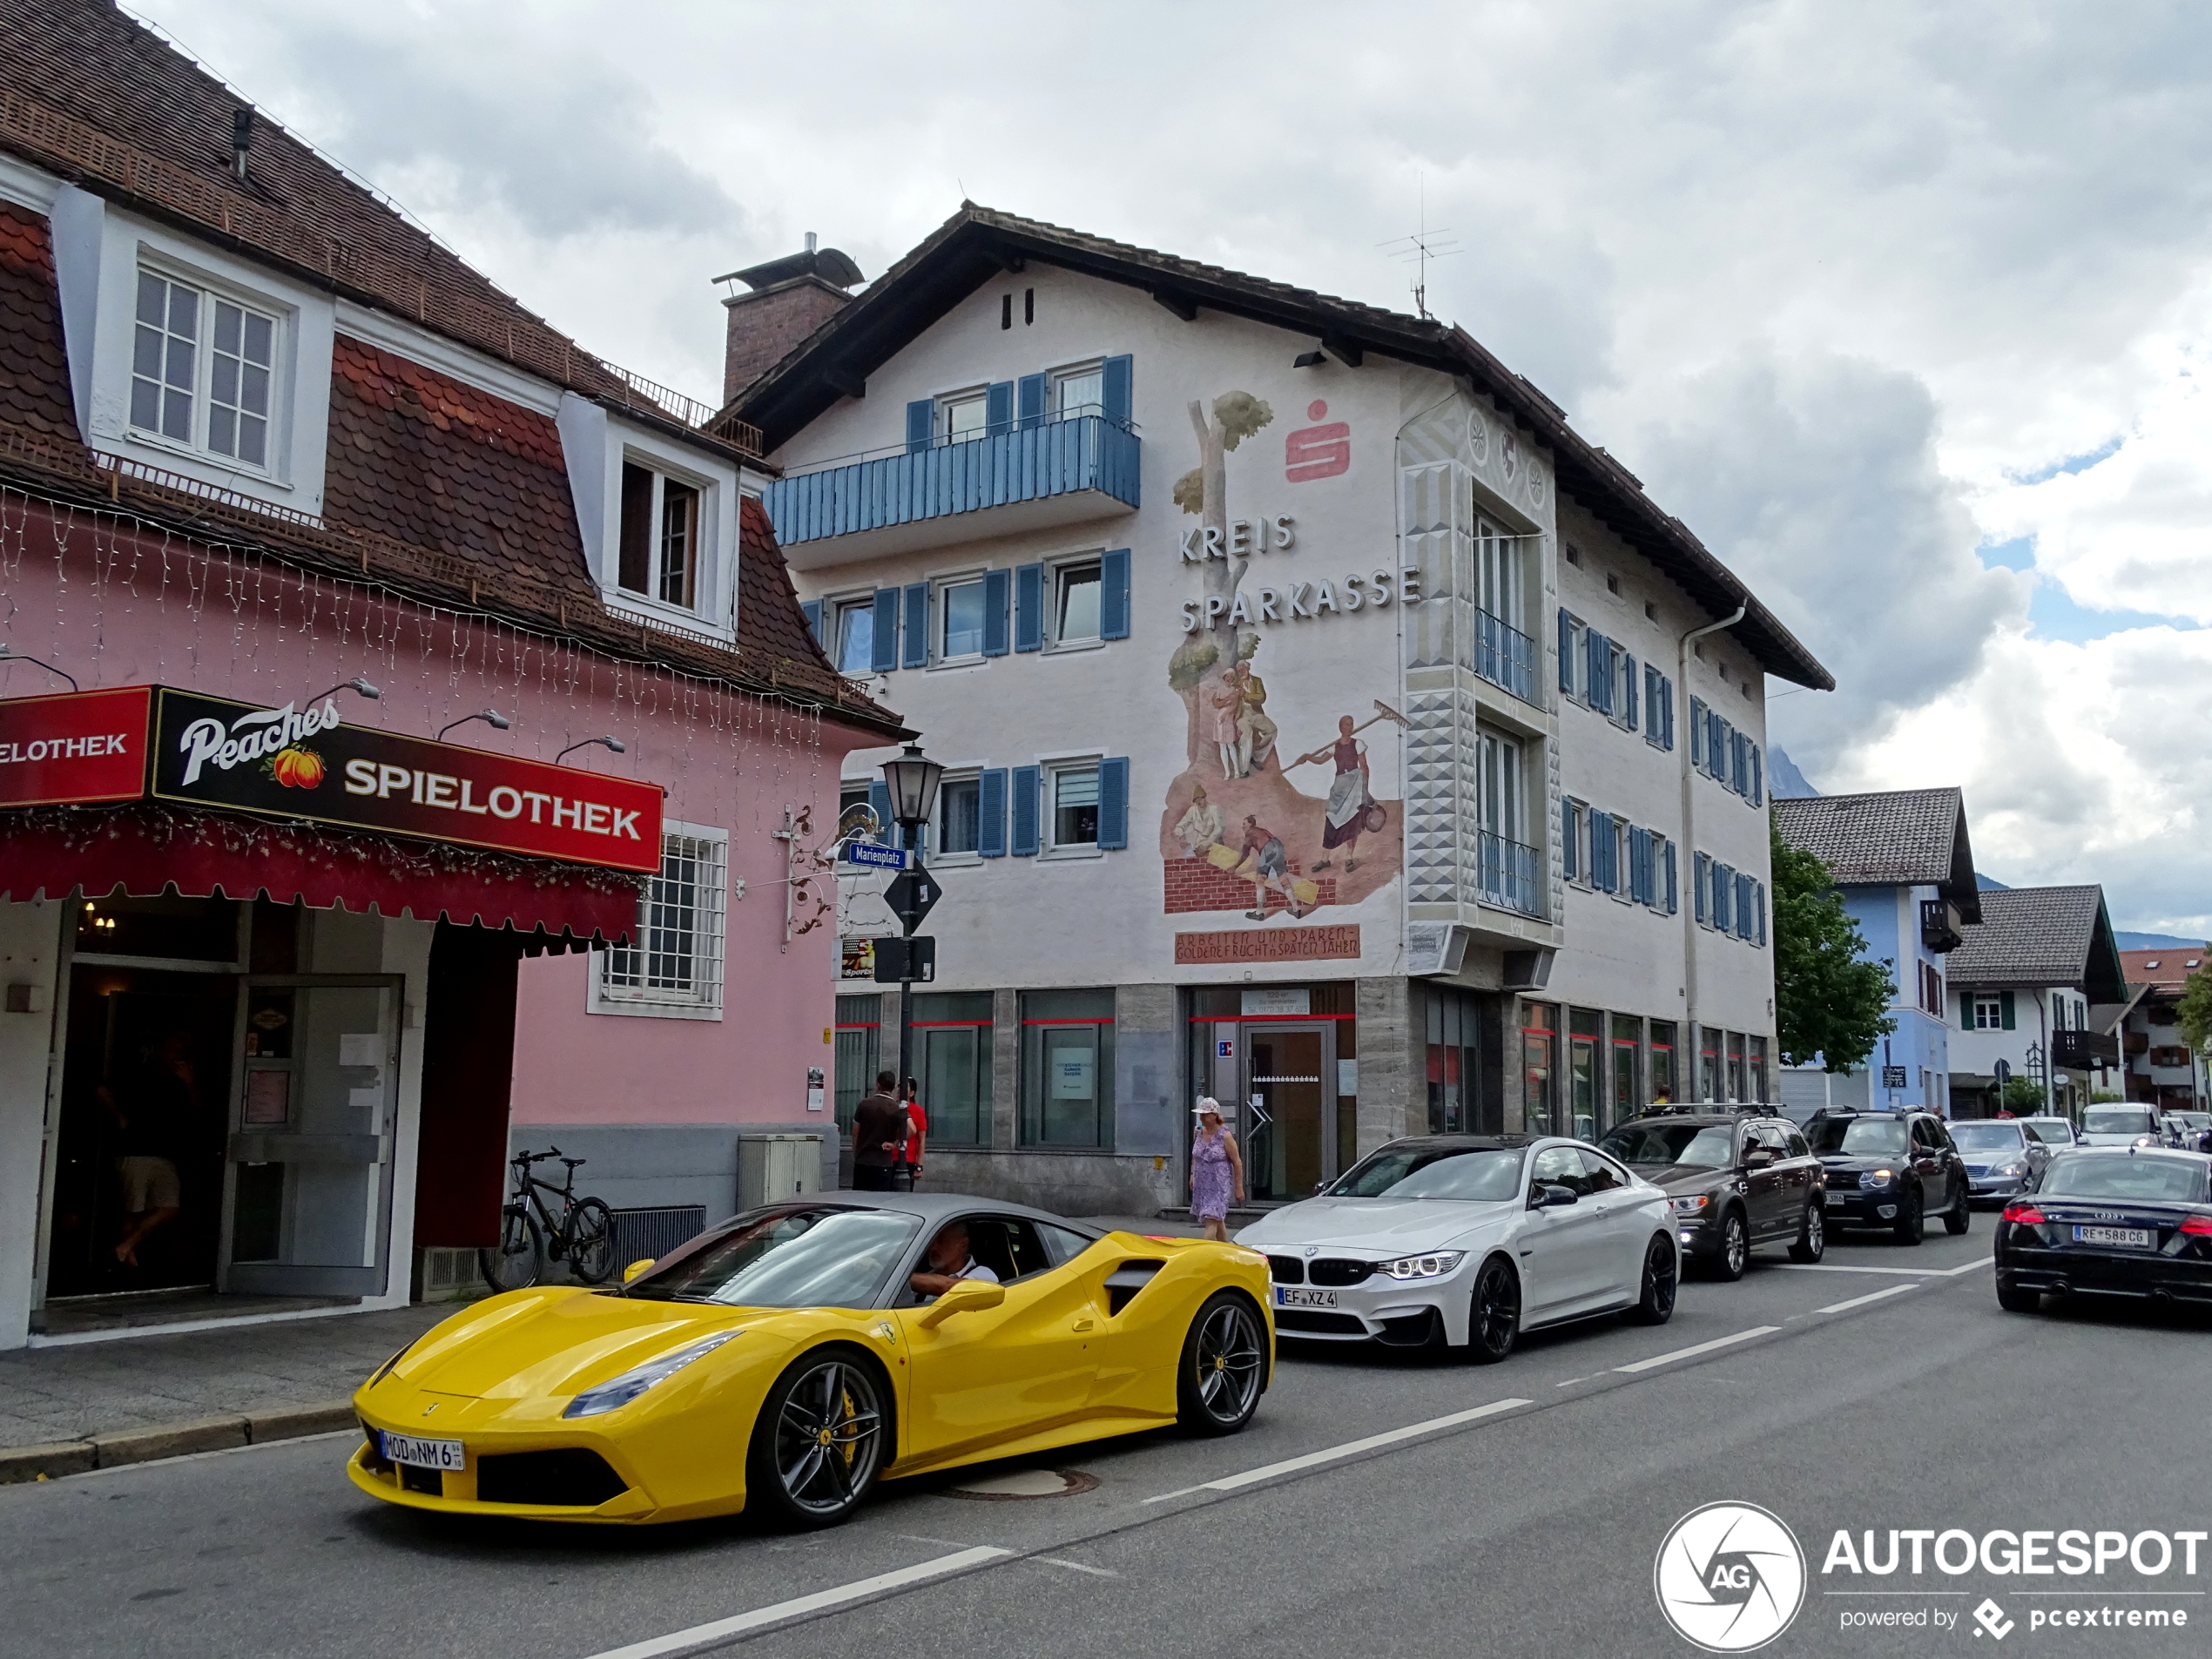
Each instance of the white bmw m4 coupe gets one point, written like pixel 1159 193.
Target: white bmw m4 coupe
pixel 1470 1240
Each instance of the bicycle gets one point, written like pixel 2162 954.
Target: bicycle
pixel 584 1233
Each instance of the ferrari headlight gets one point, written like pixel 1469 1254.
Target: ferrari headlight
pixel 1692 1206
pixel 1431 1266
pixel 608 1396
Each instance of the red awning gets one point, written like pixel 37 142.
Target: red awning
pixel 143 850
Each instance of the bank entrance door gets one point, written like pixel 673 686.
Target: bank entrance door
pixel 307 1194
pixel 1289 1116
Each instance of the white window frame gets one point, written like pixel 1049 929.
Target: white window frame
pixel 1055 569
pixel 1502 757
pixel 940 615
pixel 1056 379
pixel 596 446
pixel 834 608
pixel 1581 851
pixel 701 539
pixel 1048 844
pixel 1624 881
pixel 940 413
pixel 939 858
pixel 199 421
pixel 703 999
pixel 1659 844
pixel 1577 689
pixel 1996 1007
pixel 1499 572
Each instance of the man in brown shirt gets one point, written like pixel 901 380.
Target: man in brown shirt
pixel 879 1130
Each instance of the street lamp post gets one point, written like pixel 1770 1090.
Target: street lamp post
pixel 911 778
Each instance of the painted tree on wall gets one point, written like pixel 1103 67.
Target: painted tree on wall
pixel 1205 491
pixel 1831 1003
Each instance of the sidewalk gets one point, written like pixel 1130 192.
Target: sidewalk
pixel 98 1404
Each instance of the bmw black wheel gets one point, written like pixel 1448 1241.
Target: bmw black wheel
pixel 1911 1218
pixel 1493 1319
pixel 1811 1243
pixel 818 1444
pixel 515 1263
pixel 1224 1366
pixel 1736 1247
pixel 591 1242
pixel 1960 1216
pixel 1662 1274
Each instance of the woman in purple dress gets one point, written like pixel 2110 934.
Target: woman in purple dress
pixel 1216 1171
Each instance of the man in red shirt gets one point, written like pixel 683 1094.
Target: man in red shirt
pixel 918 1126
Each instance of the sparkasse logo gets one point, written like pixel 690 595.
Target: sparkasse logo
pixel 1729 1577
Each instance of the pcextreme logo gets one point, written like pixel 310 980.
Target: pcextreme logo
pixel 1729 1577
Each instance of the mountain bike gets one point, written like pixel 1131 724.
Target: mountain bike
pixel 584 1233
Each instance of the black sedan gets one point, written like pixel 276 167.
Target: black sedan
pixel 2116 1221
pixel 1892 1169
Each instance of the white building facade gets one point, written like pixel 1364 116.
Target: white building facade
pixel 1329 729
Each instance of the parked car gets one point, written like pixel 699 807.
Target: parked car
pixel 2057 1133
pixel 1737 1181
pixel 2005 1156
pixel 2191 1132
pixel 1469 1240
pixel 2121 1126
pixel 2118 1221
pixel 1892 1169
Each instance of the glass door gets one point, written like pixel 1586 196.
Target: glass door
pixel 308 1197
pixel 1290 1140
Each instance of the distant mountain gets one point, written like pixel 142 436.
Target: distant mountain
pixel 1783 780
pixel 2156 941
pixel 1988 886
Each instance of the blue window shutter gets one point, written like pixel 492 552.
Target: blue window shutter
pixel 1115 388
pixel 1715 744
pixel 1759 778
pixel 998 407
pixel 886 644
pixel 1743 907
pixel 1700 880
pixel 1113 802
pixel 917 654
pixel 1599 823
pixel 1028 610
pixel 1639 863
pixel 1696 731
pixel 990 834
pixel 2005 1011
pixel 1113 595
pixel 1565 651
pixel 1724 898
pixel 1667 696
pixel 922 416
pixel 879 803
pixel 1570 837
pixel 1761 893
pixel 1674 882
pixel 998 589
pixel 1595 665
pixel 812 610
pixel 1029 399
pixel 1628 689
pixel 1027 783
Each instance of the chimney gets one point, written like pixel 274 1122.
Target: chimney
pixel 241 140
pixel 788 298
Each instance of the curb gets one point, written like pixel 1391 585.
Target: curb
pixel 19 1464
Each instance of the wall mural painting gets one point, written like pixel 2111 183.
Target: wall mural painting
pixel 1240 830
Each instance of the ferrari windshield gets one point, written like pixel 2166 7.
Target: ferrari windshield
pixel 1710 1146
pixel 1879 1138
pixel 790 1258
pixel 1470 1174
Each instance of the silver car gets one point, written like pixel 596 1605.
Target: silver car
pixel 2004 1156
pixel 2122 1126
pixel 1468 1240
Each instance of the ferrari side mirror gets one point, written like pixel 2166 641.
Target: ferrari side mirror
pixel 635 1269
pixel 967 1296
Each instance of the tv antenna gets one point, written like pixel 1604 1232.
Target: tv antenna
pixel 1421 247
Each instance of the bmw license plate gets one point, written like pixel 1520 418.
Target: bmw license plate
pixel 1291 1296
pixel 2116 1238
pixel 422 1454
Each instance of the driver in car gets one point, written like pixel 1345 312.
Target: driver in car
pixel 948 1260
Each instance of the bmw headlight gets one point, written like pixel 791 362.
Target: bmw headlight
pixel 1878 1177
pixel 1431 1266
pixel 608 1396
pixel 1692 1206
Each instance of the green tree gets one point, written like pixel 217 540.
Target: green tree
pixel 2196 1016
pixel 1831 1003
pixel 2024 1097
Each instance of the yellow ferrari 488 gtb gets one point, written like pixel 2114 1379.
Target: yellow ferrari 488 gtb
pixel 785 1360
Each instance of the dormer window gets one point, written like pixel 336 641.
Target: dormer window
pixel 659 554
pixel 202 369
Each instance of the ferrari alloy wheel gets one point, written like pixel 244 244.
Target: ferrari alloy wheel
pixel 1493 1319
pixel 1662 1277
pixel 1224 1366
pixel 515 1263
pixel 818 1444
pixel 1911 1218
pixel 1961 1213
pixel 591 1242
pixel 1811 1241
pixel 1730 1259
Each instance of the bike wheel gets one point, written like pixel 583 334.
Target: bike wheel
pixel 515 1263
pixel 591 1241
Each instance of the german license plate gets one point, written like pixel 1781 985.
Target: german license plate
pixel 1291 1296
pixel 420 1454
pixel 1836 1200
pixel 2116 1238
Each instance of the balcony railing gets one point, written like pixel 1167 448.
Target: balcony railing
pixel 2078 1050
pixel 1939 925
pixel 1089 453
pixel 1510 874
pixel 1504 656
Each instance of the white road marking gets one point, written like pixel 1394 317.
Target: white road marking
pixel 1834 1267
pixel 1350 1448
pixel 1570 1383
pixel 1872 1296
pixel 859 1590
pixel 1979 1261
pixel 1703 1347
pixel 1075 1566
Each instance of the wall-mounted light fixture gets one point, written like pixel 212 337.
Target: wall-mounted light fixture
pixel 9 656
pixel 491 718
pixel 613 744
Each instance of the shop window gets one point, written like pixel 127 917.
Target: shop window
pixel 1709 1080
pixel 1454 1064
pixel 659 556
pixel 1585 1036
pixel 1539 1033
pixel 1661 1059
pixel 672 964
pixel 859 1025
pixel 1627 1068
pixel 1067 1069
pixel 953 1050
pixel 199 930
pixel 202 370
pixel 1739 1088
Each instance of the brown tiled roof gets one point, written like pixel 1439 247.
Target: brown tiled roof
pixel 978 244
pixel 2165 970
pixel 2040 937
pixel 34 375
pixel 1895 838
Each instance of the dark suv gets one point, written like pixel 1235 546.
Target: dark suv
pixel 1737 1179
pixel 1892 1169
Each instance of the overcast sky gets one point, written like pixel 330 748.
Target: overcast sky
pixel 1902 308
